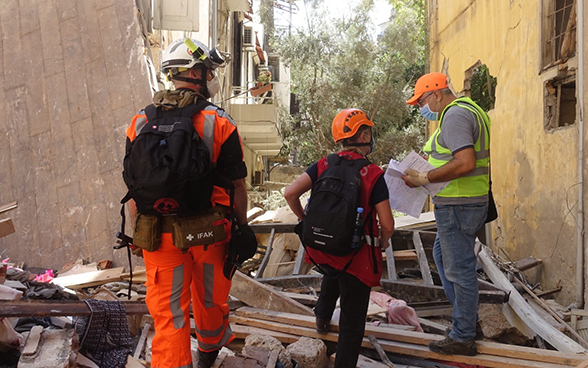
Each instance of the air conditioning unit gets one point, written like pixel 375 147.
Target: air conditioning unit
pixel 248 37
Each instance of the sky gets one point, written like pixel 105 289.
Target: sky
pixel 337 8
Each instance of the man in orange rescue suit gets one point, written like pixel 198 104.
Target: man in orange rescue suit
pixel 177 276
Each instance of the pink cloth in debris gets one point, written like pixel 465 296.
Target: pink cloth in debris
pixel 398 311
pixel 46 277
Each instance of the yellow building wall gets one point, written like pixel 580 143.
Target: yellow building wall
pixel 534 172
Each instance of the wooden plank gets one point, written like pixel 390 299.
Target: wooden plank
pixel 411 292
pixel 142 340
pixel 89 279
pixel 433 327
pixel 8 207
pixel 390 265
pixel 6 227
pixel 256 294
pixel 380 351
pixel 267 228
pixel 434 311
pixel 584 364
pixel 556 338
pixel 527 263
pixel 303 321
pixel 553 314
pixel 423 262
pixel 425 221
pixel 420 338
pixel 133 363
pixel 420 349
pixel 48 308
pixel 32 343
pixel 299 259
pixel 273 359
pixel 242 331
pixel 266 257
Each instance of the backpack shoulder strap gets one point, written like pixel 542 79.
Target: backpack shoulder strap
pixel 151 112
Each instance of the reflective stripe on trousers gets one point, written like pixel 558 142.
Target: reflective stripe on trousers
pixel 173 280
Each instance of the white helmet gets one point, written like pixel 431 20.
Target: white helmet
pixel 185 53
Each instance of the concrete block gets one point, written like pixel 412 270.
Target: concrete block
pixel 270 343
pixel 309 353
pixel 55 349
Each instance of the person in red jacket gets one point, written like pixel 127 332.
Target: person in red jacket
pixel 351 128
pixel 177 278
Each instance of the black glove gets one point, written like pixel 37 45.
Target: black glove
pixel 242 246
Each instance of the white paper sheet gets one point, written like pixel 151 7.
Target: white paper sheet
pixel 403 198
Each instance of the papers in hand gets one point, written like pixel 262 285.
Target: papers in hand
pixel 402 197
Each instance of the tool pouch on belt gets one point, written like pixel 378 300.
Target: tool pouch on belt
pixel 147 234
pixel 212 228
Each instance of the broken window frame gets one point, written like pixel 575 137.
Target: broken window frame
pixel 552 113
pixel 554 20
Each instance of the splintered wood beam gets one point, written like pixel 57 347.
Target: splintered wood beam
pixel 8 207
pixel 304 321
pixel 415 343
pixel 89 279
pixel 49 308
pixel 527 263
pixel 550 334
pixel 413 292
pixel 423 262
pixel 6 227
pixel 256 294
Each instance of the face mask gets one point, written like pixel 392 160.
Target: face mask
pixel 428 114
pixel 213 86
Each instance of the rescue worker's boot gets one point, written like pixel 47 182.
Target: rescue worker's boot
pixel 322 325
pixel 206 359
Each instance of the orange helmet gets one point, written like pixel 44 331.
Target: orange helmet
pixel 347 123
pixel 426 83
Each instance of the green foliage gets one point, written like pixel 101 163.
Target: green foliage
pixel 483 88
pixel 337 64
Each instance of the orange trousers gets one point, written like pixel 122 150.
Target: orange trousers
pixel 174 279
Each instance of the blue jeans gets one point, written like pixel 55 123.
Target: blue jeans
pixel 456 261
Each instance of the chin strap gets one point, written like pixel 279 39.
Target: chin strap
pixel 201 81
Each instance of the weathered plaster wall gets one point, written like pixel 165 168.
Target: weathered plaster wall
pixel 533 171
pixel 71 77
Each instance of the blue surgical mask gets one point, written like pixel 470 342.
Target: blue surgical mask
pixel 428 114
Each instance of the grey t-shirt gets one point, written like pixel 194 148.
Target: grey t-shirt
pixel 460 130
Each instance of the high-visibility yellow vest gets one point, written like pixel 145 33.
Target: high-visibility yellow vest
pixel 474 183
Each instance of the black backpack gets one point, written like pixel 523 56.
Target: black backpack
pixel 167 167
pixel 332 208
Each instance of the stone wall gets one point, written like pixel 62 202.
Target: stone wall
pixel 72 75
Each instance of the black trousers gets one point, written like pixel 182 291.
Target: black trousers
pixel 355 297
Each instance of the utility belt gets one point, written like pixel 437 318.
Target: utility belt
pixel 209 228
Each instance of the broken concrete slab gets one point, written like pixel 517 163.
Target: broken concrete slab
pixel 496 327
pixel 309 353
pixel 56 349
pixel 270 343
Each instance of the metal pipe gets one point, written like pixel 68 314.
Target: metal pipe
pixel 580 85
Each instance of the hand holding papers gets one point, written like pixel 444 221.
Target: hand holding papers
pixel 405 199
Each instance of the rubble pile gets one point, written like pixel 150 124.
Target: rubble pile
pixel 45 314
